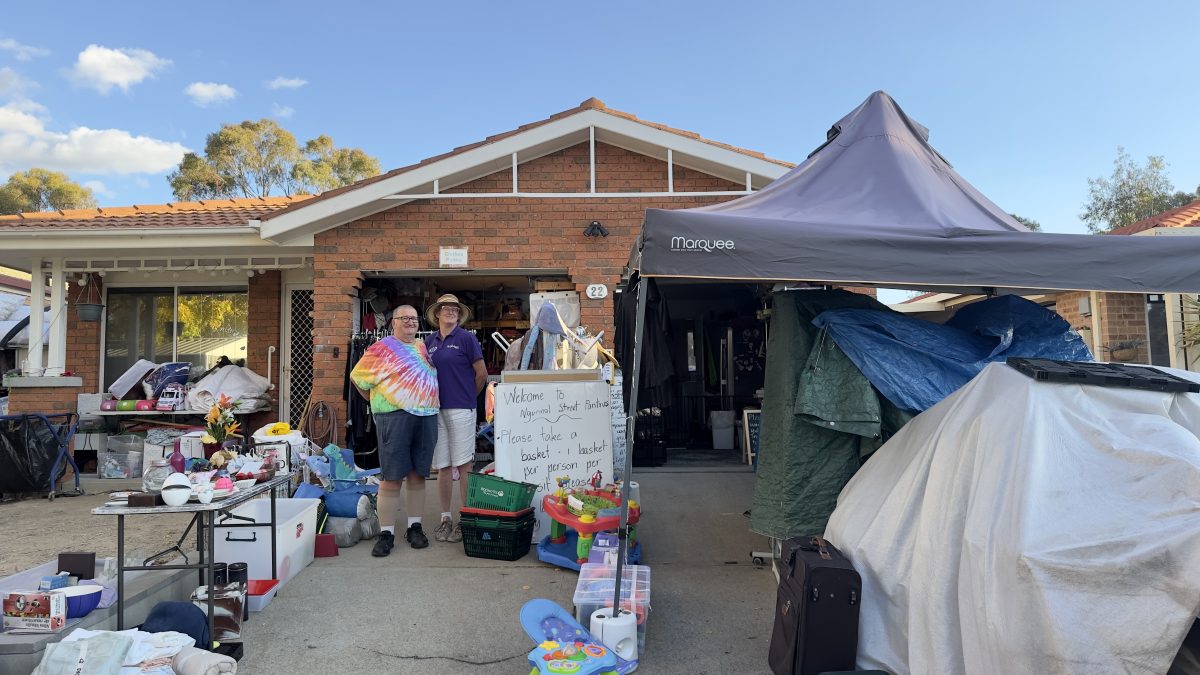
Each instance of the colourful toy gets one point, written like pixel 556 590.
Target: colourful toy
pixel 564 646
pixel 585 512
pixel 146 404
pixel 173 397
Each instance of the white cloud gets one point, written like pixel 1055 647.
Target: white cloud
pixel 284 111
pixel 101 190
pixel 101 68
pixel 26 142
pixel 12 84
pixel 282 82
pixel 205 94
pixel 22 52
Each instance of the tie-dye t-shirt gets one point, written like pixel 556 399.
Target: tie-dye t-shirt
pixel 399 376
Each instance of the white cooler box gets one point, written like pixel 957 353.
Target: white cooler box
pixel 296 532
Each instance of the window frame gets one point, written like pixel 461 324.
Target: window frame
pixel 174 287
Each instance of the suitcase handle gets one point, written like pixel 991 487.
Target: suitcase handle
pixel 822 548
pixel 253 537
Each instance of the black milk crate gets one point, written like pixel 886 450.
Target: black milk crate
pixel 498 538
pixel 1103 374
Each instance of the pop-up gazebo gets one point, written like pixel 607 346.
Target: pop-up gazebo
pixel 876 205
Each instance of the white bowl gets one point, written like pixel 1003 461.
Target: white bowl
pixel 246 484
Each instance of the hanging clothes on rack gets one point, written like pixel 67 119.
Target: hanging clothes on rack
pixel 360 427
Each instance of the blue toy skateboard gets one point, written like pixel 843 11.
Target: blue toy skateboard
pixel 564 646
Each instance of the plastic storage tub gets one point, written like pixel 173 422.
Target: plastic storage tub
pixel 595 590
pixel 722 429
pixel 295 530
pixel 111 464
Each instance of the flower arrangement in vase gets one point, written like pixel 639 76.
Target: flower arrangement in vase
pixel 219 425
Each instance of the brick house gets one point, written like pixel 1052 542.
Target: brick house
pixel 494 217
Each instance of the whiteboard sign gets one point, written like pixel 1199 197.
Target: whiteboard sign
pixel 597 291
pixel 545 430
pixel 452 257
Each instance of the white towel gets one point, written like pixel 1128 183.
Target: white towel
pixel 192 661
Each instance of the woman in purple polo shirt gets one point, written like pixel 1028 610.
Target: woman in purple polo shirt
pixel 461 375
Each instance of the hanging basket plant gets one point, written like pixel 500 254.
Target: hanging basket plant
pixel 88 306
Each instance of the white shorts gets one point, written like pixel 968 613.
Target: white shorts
pixel 455 439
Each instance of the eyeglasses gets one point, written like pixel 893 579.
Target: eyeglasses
pixel 405 319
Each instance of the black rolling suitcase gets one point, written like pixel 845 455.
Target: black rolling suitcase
pixel 816 613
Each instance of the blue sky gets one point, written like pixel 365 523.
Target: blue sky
pixel 1026 99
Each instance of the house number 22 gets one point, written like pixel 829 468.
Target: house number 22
pixel 597 291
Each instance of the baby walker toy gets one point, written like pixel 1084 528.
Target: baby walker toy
pixel 584 512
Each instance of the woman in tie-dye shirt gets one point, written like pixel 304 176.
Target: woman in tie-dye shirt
pixel 397 377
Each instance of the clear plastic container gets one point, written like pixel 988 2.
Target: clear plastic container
pixel 119 464
pixel 125 443
pixel 595 590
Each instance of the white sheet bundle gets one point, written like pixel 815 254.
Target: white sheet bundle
pixel 241 384
pixel 1026 527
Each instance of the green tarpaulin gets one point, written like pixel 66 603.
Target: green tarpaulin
pixel 821 417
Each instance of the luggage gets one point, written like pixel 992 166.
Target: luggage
pixel 816 613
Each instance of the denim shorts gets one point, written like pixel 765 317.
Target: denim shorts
pixel 405 443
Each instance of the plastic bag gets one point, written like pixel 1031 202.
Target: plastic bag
pixel 99 655
pixel 345 531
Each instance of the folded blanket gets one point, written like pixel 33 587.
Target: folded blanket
pixel 192 661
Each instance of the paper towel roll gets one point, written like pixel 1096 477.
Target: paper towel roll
pixel 617 633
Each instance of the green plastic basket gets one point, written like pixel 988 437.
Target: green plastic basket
pixel 485 491
pixel 497 538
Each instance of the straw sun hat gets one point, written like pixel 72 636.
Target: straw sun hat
pixel 464 312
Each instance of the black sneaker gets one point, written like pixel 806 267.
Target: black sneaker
pixel 384 544
pixel 416 536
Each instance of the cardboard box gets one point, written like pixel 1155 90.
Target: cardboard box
pixel 35 611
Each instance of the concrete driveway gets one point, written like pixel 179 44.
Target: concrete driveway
pixel 437 611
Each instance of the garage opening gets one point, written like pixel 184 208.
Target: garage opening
pixel 501 304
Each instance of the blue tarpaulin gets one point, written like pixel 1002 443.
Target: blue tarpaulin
pixel 916 363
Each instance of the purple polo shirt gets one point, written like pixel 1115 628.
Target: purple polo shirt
pixel 454 357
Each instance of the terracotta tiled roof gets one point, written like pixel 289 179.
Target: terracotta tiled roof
pixel 209 213
pixel 590 104
pixel 1187 215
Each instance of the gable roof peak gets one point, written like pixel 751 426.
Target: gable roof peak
pixel 593 103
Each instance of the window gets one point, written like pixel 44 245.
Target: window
pixel 186 323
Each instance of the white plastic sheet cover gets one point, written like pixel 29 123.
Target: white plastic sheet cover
pixel 1029 527
pixel 241 384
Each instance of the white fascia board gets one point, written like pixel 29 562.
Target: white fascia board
pixel 359 202
pixel 919 307
pixel 50 240
pixel 1168 232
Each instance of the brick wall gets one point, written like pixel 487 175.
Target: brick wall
pixel 1122 318
pixel 83 360
pixel 1067 306
pixel 263 332
pixel 500 233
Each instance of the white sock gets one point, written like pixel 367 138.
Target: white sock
pixel 414 521
pixel 446 515
pixel 390 529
